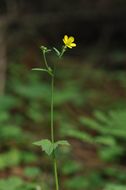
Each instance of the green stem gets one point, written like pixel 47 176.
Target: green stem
pixel 63 51
pixel 55 172
pixel 52 133
pixel 45 61
pixel 52 109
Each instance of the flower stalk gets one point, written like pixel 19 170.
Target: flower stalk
pixel 52 133
pixel 49 146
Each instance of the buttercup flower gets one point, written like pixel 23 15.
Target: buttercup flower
pixel 68 41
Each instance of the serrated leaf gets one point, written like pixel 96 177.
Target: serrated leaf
pixel 61 142
pixel 46 145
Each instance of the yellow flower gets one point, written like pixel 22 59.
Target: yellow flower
pixel 68 41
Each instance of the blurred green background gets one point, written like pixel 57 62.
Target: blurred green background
pixel 90 94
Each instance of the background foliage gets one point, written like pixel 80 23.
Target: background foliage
pixel 90 92
pixel 97 137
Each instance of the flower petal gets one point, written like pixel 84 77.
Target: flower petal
pixel 65 39
pixel 68 41
pixel 69 46
pixel 73 45
pixel 71 39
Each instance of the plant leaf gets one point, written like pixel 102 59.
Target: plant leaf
pixel 56 51
pixel 44 70
pixel 39 69
pixel 61 142
pixel 46 145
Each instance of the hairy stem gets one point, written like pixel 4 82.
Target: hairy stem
pixel 52 109
pixel 52 133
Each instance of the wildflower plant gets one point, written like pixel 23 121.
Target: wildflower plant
pixel 49 146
